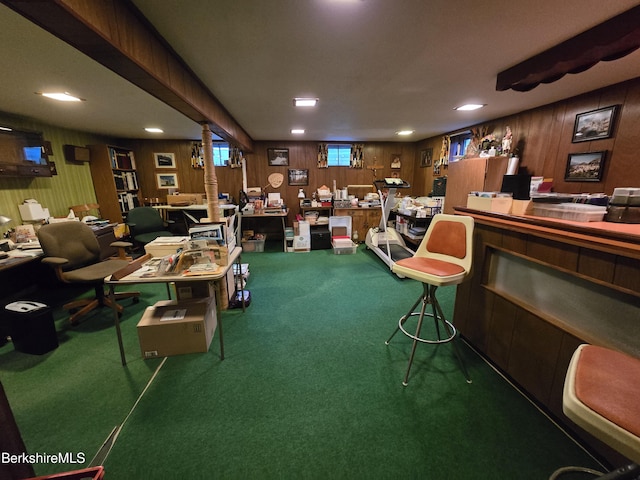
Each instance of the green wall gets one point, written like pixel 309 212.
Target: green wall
pixel 72 185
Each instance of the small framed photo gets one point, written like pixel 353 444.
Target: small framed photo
pixel 278 156
pixel 395 161
pixel 298 176
pixel 585 167
pixel 167 180
pixel 165 160
pixel 426 157
pixel 594 125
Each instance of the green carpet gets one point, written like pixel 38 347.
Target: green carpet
pixel 308 389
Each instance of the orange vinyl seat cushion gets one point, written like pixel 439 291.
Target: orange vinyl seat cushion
pixel 431 266
pixel 602 383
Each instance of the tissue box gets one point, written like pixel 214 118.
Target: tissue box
pixel 490 204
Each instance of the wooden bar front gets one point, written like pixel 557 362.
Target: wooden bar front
pixel 527 306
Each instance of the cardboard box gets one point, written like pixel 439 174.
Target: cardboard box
pixel 490 204
pixel 175 328
pixel 194 290
pixel 185 199
pixel 163 246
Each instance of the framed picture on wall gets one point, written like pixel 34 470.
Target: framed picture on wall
pixel 298 176
pixel 594 125
pixel 278 156
pixel 165 160
pixel 585 167
pixel 426 157
pixel 167 180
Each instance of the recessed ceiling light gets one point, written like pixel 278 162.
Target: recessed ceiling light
pixel 297 131
pixel 61 96
pixel 470 106
pixel 405 132
pixel 154 130
pixel 305 102
pixel 6 129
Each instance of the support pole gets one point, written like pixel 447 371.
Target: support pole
pixel 210 178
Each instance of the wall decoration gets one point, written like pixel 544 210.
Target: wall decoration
pixel 323 155
pixel 426 157
pixel 278 156
pixel 357 155
pixel 167 180
pixel 585 167
pixel 594 125
pixel 298 176
pixel 165 160
pixel 395 161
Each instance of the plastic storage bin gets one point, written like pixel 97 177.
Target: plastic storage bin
pixel 576 212
pixel 253 245
pixel 343 246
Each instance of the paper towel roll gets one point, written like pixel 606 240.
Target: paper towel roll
pixel 512 166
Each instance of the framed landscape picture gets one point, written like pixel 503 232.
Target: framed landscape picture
pixel 594 125
pixel 167 180
pixel 278 156
pixel 585 167
pixel 298 176
pixel 165 160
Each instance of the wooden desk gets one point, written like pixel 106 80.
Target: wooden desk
pixel 282 215
pixel 133 279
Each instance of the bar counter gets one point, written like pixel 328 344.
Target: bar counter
pixel 542 286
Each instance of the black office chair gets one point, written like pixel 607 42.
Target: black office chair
pixel 73 251
pixel 145 225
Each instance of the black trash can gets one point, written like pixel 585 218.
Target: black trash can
pixel 31 327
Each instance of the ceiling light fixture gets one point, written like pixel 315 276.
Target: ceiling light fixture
pixel 6 129
pixel 297 131
pixel 469 107
pixel 61 96
pixel 305 102
pixel 154 130
pixel 404 132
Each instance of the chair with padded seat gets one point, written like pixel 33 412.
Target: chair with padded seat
pixel 443 258
pixel 72 250
pixel 145 225
pixel 602 396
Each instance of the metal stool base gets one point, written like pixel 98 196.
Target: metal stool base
pixel 428 297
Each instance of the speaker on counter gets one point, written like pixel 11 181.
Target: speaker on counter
pixel 518 185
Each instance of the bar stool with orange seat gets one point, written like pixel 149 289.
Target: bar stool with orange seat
pixel 602 396
pixel 443 258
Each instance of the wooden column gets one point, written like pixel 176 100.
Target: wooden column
pixel 210 179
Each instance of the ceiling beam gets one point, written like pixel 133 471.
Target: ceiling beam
pixel 115 34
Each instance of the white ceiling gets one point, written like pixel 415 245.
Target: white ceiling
pixel 377 66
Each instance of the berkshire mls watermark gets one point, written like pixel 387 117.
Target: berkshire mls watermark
pixel 43 458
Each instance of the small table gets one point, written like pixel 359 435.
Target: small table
pixel 282 215
pixel 132 279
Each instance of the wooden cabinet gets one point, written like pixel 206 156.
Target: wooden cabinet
pixel 115 180
pixel 472 174
pixel 362 219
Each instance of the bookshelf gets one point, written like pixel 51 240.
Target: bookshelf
pixel 115 180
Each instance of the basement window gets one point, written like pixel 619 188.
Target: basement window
pixel 458 145
pixel 220 154
pixel 339 155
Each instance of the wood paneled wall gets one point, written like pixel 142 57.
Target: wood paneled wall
pixel 302 155
pixel 543 136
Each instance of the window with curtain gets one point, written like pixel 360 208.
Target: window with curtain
pixel 220 154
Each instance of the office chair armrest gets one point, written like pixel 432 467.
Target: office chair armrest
pixel 122 248
pixel 56 263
